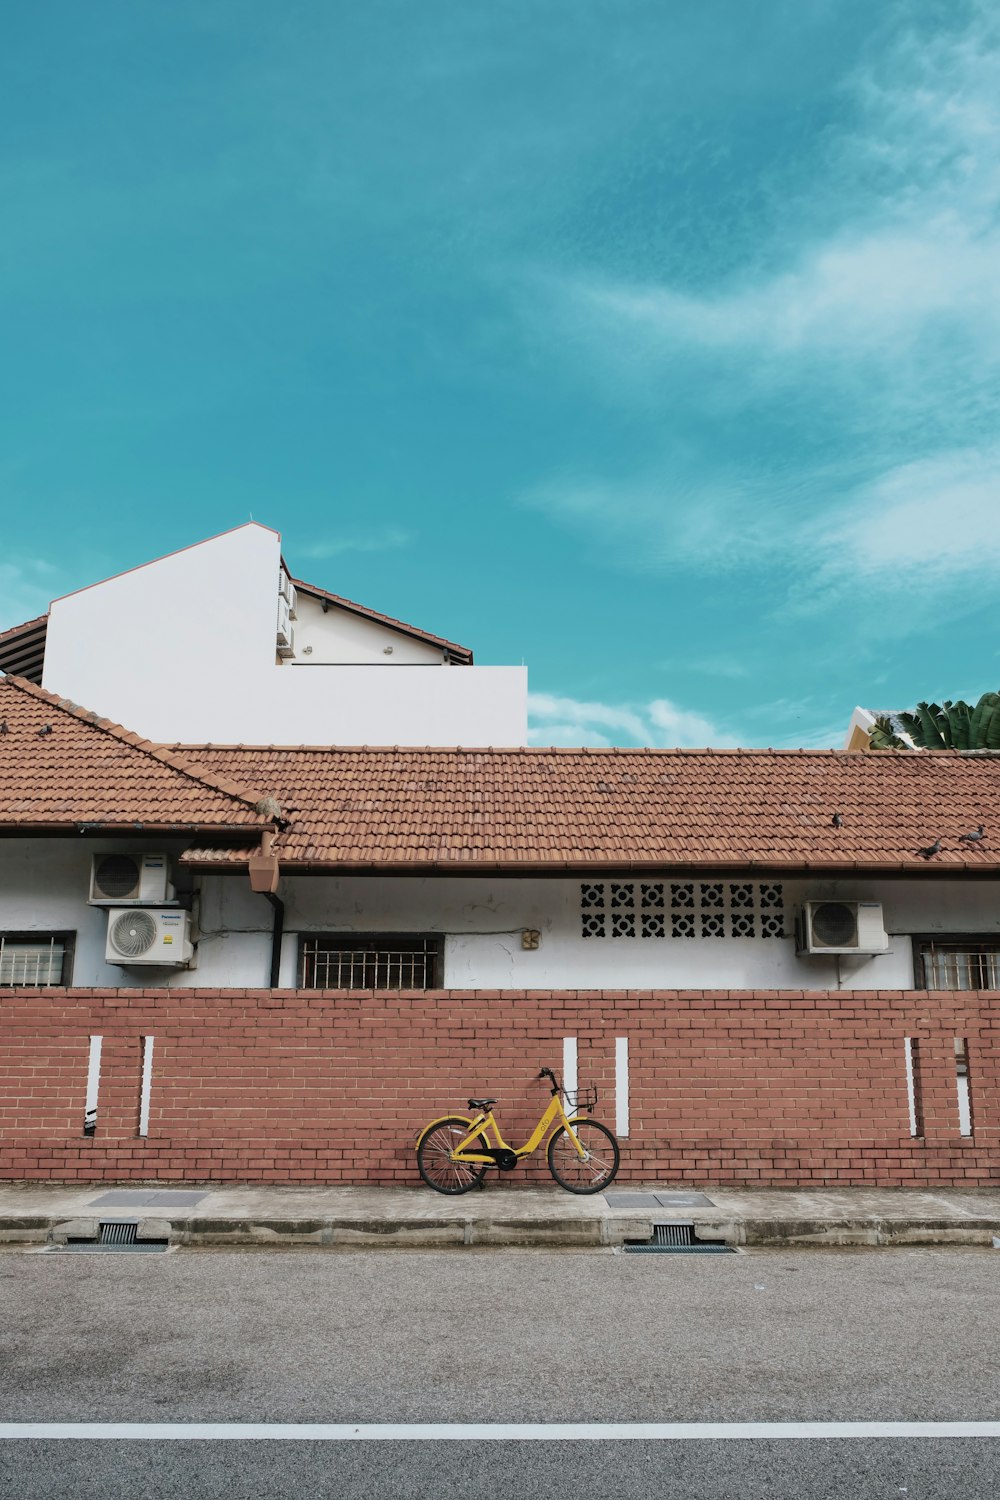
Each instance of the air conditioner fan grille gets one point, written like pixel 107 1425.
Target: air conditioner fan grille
pixel 133 933
pixel 117 876
pixel 834 925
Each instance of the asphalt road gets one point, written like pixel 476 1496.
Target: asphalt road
pixel 500 1337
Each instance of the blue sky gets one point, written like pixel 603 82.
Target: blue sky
pixel 653 344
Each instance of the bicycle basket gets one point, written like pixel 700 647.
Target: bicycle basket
pixel 579 1099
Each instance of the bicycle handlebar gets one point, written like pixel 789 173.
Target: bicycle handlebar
pixel 548 1073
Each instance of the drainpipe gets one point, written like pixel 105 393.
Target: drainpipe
pixel 265 873
pixel 277 932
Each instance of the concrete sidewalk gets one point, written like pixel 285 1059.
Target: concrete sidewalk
pixel 38 1214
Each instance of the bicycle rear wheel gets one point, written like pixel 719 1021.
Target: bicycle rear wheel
pixel 592 1172
pixel 434 1150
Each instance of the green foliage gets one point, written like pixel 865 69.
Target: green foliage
pixel 985 725
pixel 946 726
pixel 884 737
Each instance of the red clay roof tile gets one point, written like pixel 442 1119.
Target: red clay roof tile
pixel 527 809
pixel 63 766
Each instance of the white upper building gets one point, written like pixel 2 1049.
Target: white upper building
pixel 219 643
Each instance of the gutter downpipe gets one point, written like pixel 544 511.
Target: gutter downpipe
pixel 265 874
pixel 277 933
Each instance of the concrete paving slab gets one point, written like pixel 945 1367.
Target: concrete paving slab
pixel 39 1213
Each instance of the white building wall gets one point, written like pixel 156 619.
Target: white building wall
pixel 336 635
pixel 183 649
pixel 44 885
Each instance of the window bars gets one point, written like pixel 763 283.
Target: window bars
pixel 353 963
pixel 33 959
pixel 965 965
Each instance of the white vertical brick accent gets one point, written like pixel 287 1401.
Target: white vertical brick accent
pixel 93 1083
pixel 621 1086
pixel 569 1077
pixel 147 1084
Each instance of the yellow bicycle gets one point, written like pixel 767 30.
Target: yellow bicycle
pixel 454 1153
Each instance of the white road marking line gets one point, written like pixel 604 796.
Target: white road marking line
pixel 466 1432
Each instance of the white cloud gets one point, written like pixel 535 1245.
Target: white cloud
pixel 664 520
pixel 556 720
pixel 928 521
pixel 870 293
pixel 916 249
pixel 888 323
pixel 380 539
pixel 933 522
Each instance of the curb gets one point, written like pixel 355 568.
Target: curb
pixel 553 1233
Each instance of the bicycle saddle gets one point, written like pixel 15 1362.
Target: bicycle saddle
pixel 481 1103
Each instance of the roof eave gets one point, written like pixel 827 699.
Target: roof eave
pixel 90 826
pixel 607 868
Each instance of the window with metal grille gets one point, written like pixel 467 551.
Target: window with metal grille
pixel 380 962
pixel 967 963
pixel 35 958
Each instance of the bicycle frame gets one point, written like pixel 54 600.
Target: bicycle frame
pixel 483 1124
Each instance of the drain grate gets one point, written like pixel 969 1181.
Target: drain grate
pixel 677 1238
pixel 116 1234
pixel 673 1235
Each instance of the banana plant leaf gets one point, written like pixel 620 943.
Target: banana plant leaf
pixel 953 726
pixel 960 718
pixel 928 727
pixel 987 710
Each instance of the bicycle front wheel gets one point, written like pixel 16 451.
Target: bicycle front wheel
pixel 595 1169
pixel 434 1150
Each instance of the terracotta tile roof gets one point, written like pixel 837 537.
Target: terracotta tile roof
pixel 461 654
pixel 533 810
pixel 22 648
pixel 61 766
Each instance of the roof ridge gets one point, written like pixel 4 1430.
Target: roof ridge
pixel 591 751
pixel 221 784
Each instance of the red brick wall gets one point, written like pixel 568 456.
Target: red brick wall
pixel 287 1086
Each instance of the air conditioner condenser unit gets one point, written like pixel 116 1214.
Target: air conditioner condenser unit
pixel 286 589
pixel 130 877
pixel 842 927
pixel 141 938
pixel 285 634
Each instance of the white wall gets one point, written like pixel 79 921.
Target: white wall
pixel 339 636
pixel 483 919
pixel 174 641
pixel 44 884
pixel 367 705
pixel 183 649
